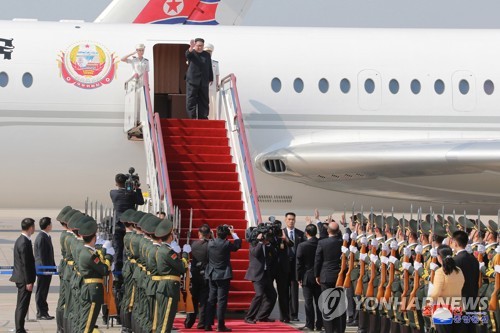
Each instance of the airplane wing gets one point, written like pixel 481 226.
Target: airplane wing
pixel 455 171
pixel 205 12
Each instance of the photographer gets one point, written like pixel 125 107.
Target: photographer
pixel 219 274
pixel 123 199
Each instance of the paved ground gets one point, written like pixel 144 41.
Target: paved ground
pixel 9 231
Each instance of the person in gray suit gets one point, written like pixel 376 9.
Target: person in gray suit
pixel 219 274
pixel 44 256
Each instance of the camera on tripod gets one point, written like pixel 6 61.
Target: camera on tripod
pixel 132 182
pixel 271 231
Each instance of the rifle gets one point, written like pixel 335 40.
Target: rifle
pixel 493 305
pixel 359 285
pixel 406 274
pixel 383 269
pixel 373 269
pixel 392 271
pixel 187 279
pixel 181 305
pixel 347 279
pixel 480 256
pixel 434 259
pixel 343 264
pixel 416 276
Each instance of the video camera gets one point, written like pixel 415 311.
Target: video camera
pixel 132 182
pixel 270 231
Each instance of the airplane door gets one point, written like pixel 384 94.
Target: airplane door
pixel 464 91
pixel 369 90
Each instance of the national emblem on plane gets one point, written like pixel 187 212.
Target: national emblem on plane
pixel 179 12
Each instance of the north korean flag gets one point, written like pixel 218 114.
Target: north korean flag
pixel 179 12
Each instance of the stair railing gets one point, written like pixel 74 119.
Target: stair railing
pixel 230 111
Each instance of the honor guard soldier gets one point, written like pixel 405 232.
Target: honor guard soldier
pixel 389 250
pixel 93 267
pixel 62 267
pixel 170 268
pixel 151 270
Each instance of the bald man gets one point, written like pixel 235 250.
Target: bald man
pixel 327 268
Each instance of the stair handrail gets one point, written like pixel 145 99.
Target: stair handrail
pixel 234 118
pixel 157 167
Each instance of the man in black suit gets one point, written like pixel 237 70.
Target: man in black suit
pixel 261 271
pixel 286 281
pixel 219 274
pixel 470 268
pixel 198 78
pixel 199 285
pixel 24 273
pixel 327 268
pixel 44 256
pixel 306 254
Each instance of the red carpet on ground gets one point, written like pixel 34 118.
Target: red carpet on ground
pixel 239 325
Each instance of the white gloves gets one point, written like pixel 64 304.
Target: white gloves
pixel 497 250
pixel 407 252
pixel 354 235
pixel 434 253
pixel 446 241
pixel 417 265
pixel 481 265
pixel 385 248
pixel 393 259
pixel 468 248
pixel 373 258
pixel 374 242
pixel 481 249
pixel 497 269
pixel 175 247
pixel 109 248
pixel 364 241
pixel 433 266
pixel 353 249
pixel 345 237
pixel 362 256
pixel 384 260
pixel 344 249
pixel 186 248
pixel 394 245
pixel 418 249
pixel 406 265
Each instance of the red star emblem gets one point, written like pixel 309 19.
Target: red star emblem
pixel 172 5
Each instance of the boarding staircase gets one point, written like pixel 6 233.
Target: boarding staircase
pixel 200 171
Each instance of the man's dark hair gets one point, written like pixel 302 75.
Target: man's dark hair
pixel 88 239
pixel 205 230
pixel 27 223
pixel 222 231
pixel 290 213
pixel 311 230
pixel 461 238
pixel 120 179
pixel 45 222
pixel 199 40
pixel 439 239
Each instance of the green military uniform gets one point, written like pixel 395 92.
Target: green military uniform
pixel 92 267
pixel 62 267
pixel 170 268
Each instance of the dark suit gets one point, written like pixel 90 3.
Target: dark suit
pixel 44 256
pixel 470 268
pixel 199 285
pixel 306 254
pixel 288 287
pixel 219 274
pixel 261 271
pixel 198 77
pixel 24 273
pixel 327 268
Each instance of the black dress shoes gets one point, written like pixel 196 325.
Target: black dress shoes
pixel 45 317
pixel 353 323
pixel 295 319
pixel 208 328
pixel 250 321
pixel 267 320
pixel 286 321
pixel 306 329
pixel 224 329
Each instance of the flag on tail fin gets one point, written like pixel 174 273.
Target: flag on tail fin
pixel 179 12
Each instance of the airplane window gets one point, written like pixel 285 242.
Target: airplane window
pixel 489 87
pixel 276 85
pixel 415 86
pixel 27 80
pixel 463 86
pixel 4 79
pixel 369 86
pixel 394 86
pixel 298 85
pixel 323 85
pixel 345 86
pixel 439 87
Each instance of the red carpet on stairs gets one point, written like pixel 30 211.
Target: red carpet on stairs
pixel 239 325
pixel 204 178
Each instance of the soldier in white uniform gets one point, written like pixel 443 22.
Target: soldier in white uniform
pixel 140 65
pixel 214 87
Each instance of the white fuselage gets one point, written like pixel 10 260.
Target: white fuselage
pixel 61 143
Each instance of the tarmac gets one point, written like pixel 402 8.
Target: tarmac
pixel 9 231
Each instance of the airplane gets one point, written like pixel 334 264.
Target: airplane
pixel 382 117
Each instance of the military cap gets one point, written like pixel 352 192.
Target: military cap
pixel 465 222
pixel 63 212
pixel 73 221
pixel 361 218
pixel 136 216
pixel 492 226
pixel 425 228
pixel 439 230
pixel 88 226
pixel 412 226
pixel 150 224
pixel 379 222
pixel 403 224
pixel 164 228
pixel 482 226
pixel 68 215
pixel 392 223
pixel 143 219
